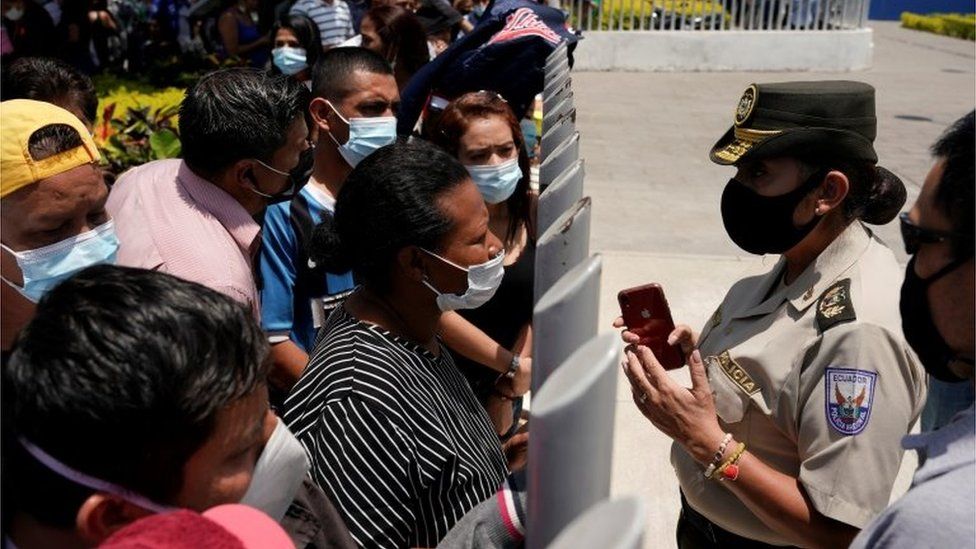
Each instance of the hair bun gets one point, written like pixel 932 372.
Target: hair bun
pixel 325 248
pixel 888 196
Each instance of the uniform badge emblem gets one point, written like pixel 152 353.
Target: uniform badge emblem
pixel 849 394
pixel 835 305
pixel 746 104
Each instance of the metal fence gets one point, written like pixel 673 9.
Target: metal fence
pixel 716 15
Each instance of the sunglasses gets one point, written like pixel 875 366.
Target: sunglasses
pixel 914 236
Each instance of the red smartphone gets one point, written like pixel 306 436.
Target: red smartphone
pixel 646 313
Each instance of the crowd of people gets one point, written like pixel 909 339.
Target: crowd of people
pixel 311 331
pixel 127 36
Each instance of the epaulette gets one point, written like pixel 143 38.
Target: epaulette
pixel 835 306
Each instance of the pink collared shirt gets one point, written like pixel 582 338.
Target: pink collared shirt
pixel 171 220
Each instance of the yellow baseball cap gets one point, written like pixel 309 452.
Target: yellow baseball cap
pixel 20 118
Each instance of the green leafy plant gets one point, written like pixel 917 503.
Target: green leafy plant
pixel 141 135
pixel 948 24
pixel 137 122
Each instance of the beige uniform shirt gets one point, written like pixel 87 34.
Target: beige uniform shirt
pixel 816 379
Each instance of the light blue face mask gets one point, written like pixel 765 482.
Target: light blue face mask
pixel 365 136
pixel 496 182
pixel 289 61
pixel 43 268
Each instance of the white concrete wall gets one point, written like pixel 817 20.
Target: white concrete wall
pixel 724 50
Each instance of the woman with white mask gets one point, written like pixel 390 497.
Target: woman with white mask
pixel 493 344
pixel 395 436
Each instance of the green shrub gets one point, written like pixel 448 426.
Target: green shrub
pixel 136 123
pixel 947 24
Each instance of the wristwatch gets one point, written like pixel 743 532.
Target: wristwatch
pixel 513 367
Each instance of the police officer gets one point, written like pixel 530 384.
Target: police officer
pixel 802 383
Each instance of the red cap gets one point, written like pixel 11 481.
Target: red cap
pixel 223 527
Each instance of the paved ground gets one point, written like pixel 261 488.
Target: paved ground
pixel 645 138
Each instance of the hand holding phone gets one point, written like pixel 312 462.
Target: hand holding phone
pixel 646 313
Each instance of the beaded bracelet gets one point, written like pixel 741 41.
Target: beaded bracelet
pixel 730 469
pixel 717 458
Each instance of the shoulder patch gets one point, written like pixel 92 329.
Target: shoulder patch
pixel 849 394
pixel 835 306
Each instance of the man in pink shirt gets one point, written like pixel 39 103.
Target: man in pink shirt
pixel 245 145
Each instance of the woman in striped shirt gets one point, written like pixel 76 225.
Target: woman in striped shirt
pixel 393 431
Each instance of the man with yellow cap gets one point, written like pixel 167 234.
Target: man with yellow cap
pixel 53 221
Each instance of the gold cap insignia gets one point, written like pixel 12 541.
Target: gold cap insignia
pixel 746 105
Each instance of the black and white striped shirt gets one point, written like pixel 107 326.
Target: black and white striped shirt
pixel 394 434
pixel 333 19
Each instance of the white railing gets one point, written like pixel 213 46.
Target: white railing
pixel 716 15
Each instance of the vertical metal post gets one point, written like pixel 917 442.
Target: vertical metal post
pixel 615 524
pixel 564 318
pixel 570 450
pixel 560 196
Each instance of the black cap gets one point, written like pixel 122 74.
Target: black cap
pixel 437 15
pixel 827 119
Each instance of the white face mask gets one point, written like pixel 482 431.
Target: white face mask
pixel 483 281
pixel 278 475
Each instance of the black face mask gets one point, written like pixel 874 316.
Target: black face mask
pixel 297 178
pixel 764 224
pixel 918 326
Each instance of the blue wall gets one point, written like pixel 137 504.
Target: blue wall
pixel 891 9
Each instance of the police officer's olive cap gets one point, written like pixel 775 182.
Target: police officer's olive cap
pixel 827 119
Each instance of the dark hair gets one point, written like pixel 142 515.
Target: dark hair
pixel 454 122
pixel 389 201
pixel 955 191
pixel 52 139
pixel 335 68
pixel 874 195
pixel 52 81
pixel 404 40
pixel 232 114
pixel 307 33
pixel 121 375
